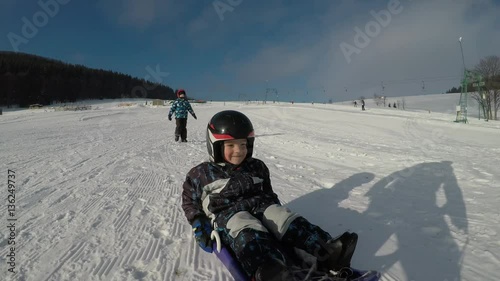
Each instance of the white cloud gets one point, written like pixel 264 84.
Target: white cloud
pixel 140 14
pixel 207 30
pixel 201 23
pixel 274 62
pixel 419 43
pixel 273 41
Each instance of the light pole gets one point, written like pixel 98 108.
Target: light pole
pixel 462 51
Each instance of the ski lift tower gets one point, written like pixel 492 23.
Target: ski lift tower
pixel 462 106
pixel 477 81
pixel 272 91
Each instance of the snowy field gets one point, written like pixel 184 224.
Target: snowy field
pixel 97 192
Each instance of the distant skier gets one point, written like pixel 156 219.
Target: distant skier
pixel 394 105
pixel 355 104
pixel 234 192
pixel 362 104
pixel 181 107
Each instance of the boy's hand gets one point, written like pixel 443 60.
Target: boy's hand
pixel 194 116
pixel 202 230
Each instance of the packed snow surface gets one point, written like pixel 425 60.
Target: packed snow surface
pixel 98 192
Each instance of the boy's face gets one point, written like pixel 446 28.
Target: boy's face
pixel 235 151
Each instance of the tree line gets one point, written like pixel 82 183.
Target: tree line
pixel 27 79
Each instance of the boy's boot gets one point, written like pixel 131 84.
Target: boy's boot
pixel 176 137
pixel 273 270
pixel 340 251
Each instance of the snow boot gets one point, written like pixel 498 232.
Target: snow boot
pixel 273 270
pixel 340 251
pixel 176 137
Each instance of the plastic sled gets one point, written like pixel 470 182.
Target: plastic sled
pixel 226 256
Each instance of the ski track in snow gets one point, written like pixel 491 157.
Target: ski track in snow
pixel 98 192
pixel 103 204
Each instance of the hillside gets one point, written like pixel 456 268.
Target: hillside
pixel 441 103
pixel 28 79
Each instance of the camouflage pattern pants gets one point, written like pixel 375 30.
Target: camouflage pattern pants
pixel 266 234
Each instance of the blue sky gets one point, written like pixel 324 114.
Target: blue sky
pixel 232 49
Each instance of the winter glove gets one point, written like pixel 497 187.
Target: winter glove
pixel 202 230
pixel 169 117
pixel 194 116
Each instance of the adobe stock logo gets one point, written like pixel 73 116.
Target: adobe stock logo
pixel 372 29
pixel 50 8
pixel 222 7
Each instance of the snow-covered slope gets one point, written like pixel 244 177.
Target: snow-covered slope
pixel 97 192
pixel 442 103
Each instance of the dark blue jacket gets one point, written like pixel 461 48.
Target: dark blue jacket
pixel 212 189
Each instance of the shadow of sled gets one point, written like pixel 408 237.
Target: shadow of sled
pixel 226 256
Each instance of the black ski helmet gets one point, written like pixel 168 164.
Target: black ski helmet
pixel 228 125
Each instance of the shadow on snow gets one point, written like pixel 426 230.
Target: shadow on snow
pixel 410 208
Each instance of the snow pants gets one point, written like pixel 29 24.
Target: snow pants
pixel 180 128
pixel 267 234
